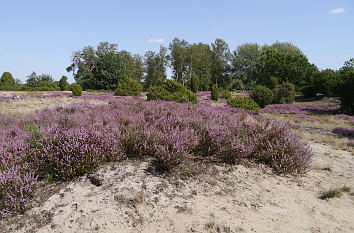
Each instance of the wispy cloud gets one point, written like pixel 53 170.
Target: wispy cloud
pixel 156 41
pixel 337 11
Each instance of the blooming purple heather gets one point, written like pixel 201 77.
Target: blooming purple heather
pixel 70 141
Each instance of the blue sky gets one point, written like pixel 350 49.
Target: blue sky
pixel 41 35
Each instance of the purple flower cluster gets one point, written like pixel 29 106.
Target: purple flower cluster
pixel 299 108
pixel 343 131
pixel 70 141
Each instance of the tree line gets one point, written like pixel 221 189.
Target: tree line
pixel 197 66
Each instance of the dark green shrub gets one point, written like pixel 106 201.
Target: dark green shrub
pixel 309 91
pixel 226 94
pixel 171 91
pixel 63 84
pixel 326 82
pixel 262 96
pixel 284 94
pixel 227 87
pixel 42 86
pixel 215 92
pixel 237 84
pixel 346 92
pixel 273 82
pixel 76 89
pixel 7 80
pixel 194 83
pixel 129 87
pixel 244 103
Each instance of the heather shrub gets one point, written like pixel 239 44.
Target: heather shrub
pixel 284 94
pixel 279 147
pixel 226 94
pixel 244 103
pixel 343 131
pixel 171 91
pixel 73 140
pixel 262 96
pixel 65 154
pixel 76 89
pixel 17 180
pixel 129 87
pixel 215 92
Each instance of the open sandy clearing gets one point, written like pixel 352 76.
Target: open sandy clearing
pixel 238 199
pixel 30 105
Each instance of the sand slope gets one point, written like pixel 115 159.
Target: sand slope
pixel 237 199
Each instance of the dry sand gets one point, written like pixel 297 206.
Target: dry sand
pixel 233 199
pixel 30 105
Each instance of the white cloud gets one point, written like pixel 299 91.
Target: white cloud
pixel 337 11
pixel 156 41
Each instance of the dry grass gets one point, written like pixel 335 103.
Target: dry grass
pixel 12 93
pixel 30 105
pixel 219 104
pixel 333 141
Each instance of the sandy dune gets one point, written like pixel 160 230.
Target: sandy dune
pixel 237 199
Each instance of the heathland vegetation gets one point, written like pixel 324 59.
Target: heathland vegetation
pixel 172 125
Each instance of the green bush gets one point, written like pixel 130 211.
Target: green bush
pixel 237 84
pixel 76 89
pixel 346 92
pixel 226 94
pixel 284 94
pixel 326 82
pixel 171 91
pixel 63 84
pixel 309 91
pixel 215 92
pixel 244 103
pixel 129 87
pixel 273 82
pixel 41 86
pixel 262 95
pixel 7 80
pixel 194 83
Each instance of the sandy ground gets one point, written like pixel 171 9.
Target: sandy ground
pixel 30 105
pixel 230 199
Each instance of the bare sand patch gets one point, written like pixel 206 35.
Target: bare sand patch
pixel 30 105
pixel 234 199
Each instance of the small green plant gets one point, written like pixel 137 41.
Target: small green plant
pixel 244 103
pixel 215 92
pixel 345 189
pixel 48 178
pixel 226 94
pixel 262 95
pixel 36 136
pixel 330 193
pixel 76 89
